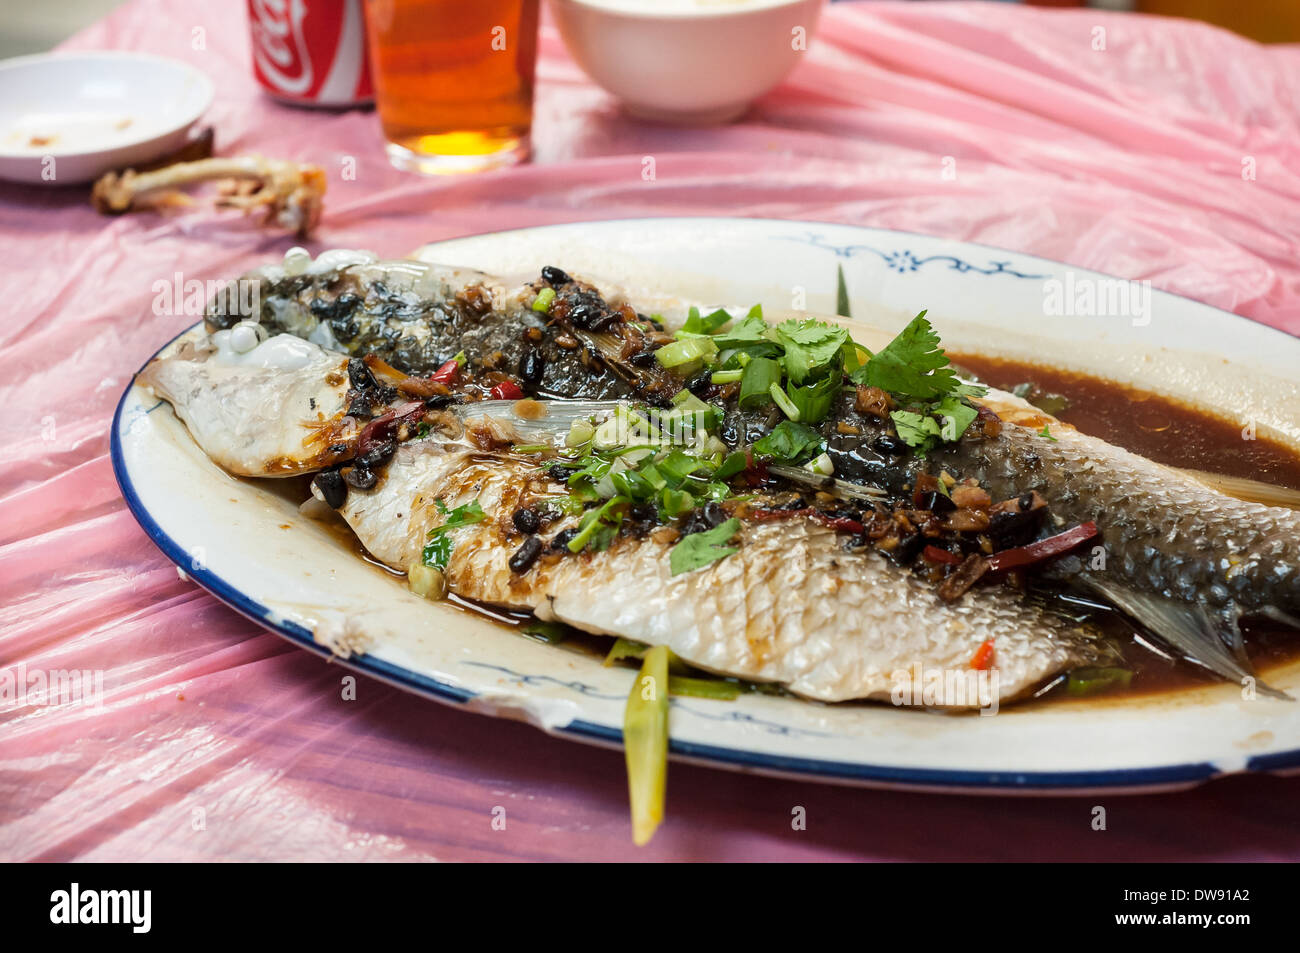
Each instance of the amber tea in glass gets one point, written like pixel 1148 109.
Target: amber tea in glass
pixel 453 81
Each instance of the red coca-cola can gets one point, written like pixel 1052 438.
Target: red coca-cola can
pixel 311 52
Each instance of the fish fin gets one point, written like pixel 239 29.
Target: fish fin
pixel 1277 615
pixel 1191 631
pixel 558 417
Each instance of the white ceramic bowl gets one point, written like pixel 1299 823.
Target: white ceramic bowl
pixel 687 61
pixel 67 118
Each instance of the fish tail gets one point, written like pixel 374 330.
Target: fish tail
pixel 1196 634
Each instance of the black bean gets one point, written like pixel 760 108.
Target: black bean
pixel 700 383
pixel 531 365
pixel 338 448
pixel 1026 502
pixel 360 375
pixel 526 520
pixel 360 478
pixel 560 542
pixel 935 502
pixel 378 455
pixel 561 473
pixel 606 321
pixel 439 401
pixel 714 514
pixel 907 549
pixel 644 513
pixel 331 487
pixel 642 358
pixel 553 276
pixel 889 445
pixel 526 555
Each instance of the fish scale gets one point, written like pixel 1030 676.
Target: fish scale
pixel 1156 523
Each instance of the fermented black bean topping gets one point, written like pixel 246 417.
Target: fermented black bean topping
pixel 360 478
pixel 560 542
pixel 526 520
pixel 377 456
pixel 531 366
pixel 360 375
pixel 526 555
pixel 331 487
pixel 554 276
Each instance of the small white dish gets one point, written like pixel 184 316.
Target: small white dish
pixel 67 118
pixel 693 62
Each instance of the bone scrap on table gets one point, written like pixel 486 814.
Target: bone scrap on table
pixel 291 193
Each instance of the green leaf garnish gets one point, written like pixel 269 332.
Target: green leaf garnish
pixel 1046 433
pixel 810 346
pixel 701 549
pixel 438 551
pixel 789 442
pixel 913 365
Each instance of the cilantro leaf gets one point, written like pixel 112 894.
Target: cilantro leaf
pixel 438 551
pixel 957 415
pixel 912 365
pixel 1045 432
pixel 789 442
pixel 701 549
pixel 809 346
pixel 916 430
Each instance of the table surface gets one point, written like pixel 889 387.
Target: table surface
pixel 219 741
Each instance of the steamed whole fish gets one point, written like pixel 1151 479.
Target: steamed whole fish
pixel 792 606
pixel 881 473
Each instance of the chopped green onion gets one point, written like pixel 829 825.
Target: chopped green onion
pixel 544 299
pixel 580 432
pixel 686 353
pixel 703 688
pixel 755 384
pixel 784 402
pixel 531 447
pixel 625 649
pixel 552 633
pixel 645 744
pixel 726 377
pixel 821 464
pixel 1091 681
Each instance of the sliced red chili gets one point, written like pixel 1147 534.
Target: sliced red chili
pixel 838 523
pixel 379 429
pixel 937 555
pixel 982 660
pixel 447 373
pixel 506 390
pixel 1042 550
pixel 841 524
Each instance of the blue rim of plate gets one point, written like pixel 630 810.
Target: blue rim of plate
pixel 1115 780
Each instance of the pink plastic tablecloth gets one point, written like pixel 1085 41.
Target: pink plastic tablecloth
pixel 1127 159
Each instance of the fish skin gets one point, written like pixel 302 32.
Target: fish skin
pixel 791 606
pixel 1162 530
pixel 415 316
pixel 256 421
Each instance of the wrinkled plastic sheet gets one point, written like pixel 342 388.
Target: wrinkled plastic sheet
pixel 1171 155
